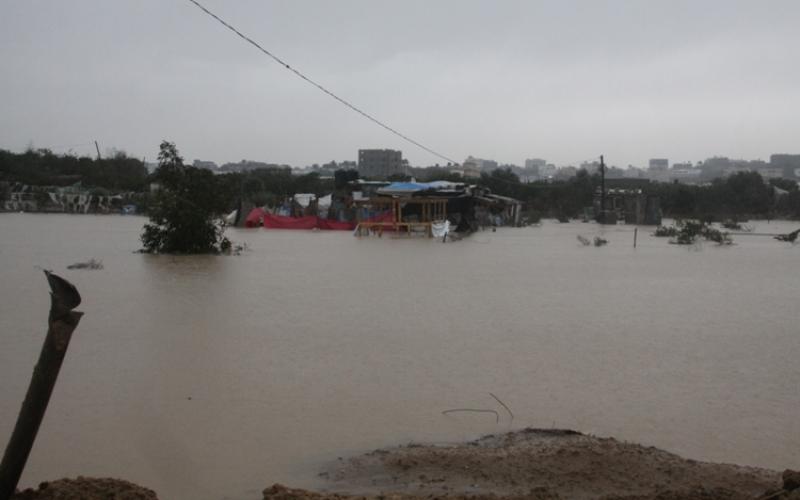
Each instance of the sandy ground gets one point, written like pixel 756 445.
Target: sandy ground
pixel 533 464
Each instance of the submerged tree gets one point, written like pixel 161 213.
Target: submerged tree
pixel 185 210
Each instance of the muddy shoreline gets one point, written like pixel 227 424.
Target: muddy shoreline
pixel 531 463
pixel 543 463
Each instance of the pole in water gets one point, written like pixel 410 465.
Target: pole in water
pixel 635 232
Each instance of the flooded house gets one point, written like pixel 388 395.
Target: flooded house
pixel 496 210
pixel 403 208
pixel 631 205
pixel 418 207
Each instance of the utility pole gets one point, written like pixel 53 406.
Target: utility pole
pixel 602 218
pixel 97 147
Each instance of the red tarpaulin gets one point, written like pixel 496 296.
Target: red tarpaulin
pixel 254 217
pixel 272 221
pixel 335 224
pixel 282 222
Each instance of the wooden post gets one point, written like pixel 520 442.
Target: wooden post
pixel 64 297
pixel 635 233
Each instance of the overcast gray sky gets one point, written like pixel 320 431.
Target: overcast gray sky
pixel 506 80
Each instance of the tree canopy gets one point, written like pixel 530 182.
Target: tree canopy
pixel 185 209
pixel 41 167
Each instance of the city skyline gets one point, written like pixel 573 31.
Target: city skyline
pixel 632 81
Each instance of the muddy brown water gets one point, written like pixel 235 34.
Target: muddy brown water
pixel 214 377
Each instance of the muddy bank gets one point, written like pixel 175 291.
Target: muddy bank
pixel 531 464
pixel 84 488
pixel 540 464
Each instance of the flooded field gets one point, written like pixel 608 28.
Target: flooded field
pixel 214 377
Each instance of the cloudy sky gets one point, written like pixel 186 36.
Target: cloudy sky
pixel 506 80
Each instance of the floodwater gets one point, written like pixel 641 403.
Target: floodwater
pixel 214 377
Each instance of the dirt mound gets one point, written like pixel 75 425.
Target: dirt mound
pixel 537 464
pixel 85 488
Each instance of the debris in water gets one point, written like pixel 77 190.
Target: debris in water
pixel 735 225
pixel 92 264
pixel 584 241
pixel 790 237
pixel 598 241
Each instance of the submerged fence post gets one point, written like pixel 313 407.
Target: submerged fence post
pixel 635 233
pixel 62 321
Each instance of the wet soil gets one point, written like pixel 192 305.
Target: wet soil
pixel 84 488
pixel 538 464
pixel 532 464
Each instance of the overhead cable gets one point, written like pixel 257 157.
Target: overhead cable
pixel 320 87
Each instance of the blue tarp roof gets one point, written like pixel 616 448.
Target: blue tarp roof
pixel 400 188
pixel 406 186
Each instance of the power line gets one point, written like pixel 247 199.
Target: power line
pixel 320 87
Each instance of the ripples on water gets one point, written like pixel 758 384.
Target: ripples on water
pixel 213 377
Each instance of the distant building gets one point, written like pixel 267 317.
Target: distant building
pixel 789 163
pixel 533 165
pixel 567 172
pixel 684 175
pixel 481 164
pixel 248 165
pixel 472 163
pixel 468 171
pixel 547 171
pixel 208 165
pixel 659 164
pixel 771 172
pixel 592 167
pixel 633 172
pixel 380 163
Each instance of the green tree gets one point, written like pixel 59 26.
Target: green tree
pixel 184 214
pixel 785 184
pixel 502 181
pixel 43 168
pixel 342 177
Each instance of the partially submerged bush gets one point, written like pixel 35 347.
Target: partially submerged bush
pixel 717 236
pixel 666 231
pixel 731 224
pixel 687 232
